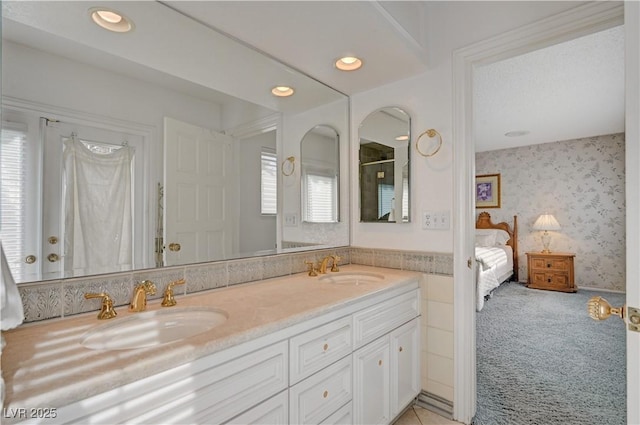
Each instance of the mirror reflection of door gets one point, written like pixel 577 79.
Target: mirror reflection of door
pixel 384 166
pixel 90 199
pixel 87 171
pixel 320 169
pixel 199 193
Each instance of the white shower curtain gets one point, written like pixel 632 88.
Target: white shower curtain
pixel 98 213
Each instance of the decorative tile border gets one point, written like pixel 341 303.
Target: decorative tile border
pixel 53 299
pixel 436 263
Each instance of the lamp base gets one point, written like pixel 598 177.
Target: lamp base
pixel 546 240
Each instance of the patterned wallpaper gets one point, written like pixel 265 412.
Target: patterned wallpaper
pixel 580 182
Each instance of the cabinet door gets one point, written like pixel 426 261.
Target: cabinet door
pixel 405 365
pixel 371 392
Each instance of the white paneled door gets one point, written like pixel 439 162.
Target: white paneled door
pixel 198 193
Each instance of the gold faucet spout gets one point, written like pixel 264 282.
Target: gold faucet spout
pixel 140 292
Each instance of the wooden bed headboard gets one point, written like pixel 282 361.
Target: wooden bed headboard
pixel 484 222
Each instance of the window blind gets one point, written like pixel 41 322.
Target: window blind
pixel 320 202
pixel 268 182
pixel 13 158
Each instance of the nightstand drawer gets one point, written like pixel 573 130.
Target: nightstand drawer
pixel 550 279
pixel 550 263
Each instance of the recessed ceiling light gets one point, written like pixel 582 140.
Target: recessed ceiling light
pixel 282 91
pixel 110 19
pixel 348 63
pixel 516 133
pixel 402 138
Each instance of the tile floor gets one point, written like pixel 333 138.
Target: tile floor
pixel 419 416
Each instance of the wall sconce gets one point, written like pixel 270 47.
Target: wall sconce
pixel 546 222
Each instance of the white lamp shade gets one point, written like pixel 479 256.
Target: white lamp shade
pixel 546 222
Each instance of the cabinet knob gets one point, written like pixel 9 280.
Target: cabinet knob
pixel 30 259
pixel 379 362
pixel 400 349
pixel 325 394
pixel 325 347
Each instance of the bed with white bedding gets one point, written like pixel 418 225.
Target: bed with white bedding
pixel 496 255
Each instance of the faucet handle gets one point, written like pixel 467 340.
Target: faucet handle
pixel 312 268
pixel 168 300
pixel 334 266
pixel 149 287
pixel 106 310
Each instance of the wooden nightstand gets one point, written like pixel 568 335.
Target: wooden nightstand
pixel 552 271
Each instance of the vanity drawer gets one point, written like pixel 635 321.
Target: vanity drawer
pixel 321 395
pixel 240 384
pixel 344 416
pixel 274 411
pixel 382 318
pixel 315 349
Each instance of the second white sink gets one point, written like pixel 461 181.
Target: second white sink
pixel 353 278
pixel 152 328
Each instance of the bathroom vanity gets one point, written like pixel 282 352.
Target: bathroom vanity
pixel 340 348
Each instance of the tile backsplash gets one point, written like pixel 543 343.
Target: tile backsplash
pixel 60 298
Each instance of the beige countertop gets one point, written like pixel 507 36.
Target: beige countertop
pixel 44 365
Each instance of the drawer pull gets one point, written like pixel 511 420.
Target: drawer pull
pixel 549 280
pixel 400 349
pixel 325 394
pixel 326 347
pixel 548 265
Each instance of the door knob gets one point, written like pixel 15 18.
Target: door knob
pixel 52 258
pixel 175 247
pixel 600 309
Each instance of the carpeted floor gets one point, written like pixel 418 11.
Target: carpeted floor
pixel 542 360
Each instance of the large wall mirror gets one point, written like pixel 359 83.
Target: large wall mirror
pixel 172 128
pixel 320 175
pixel 384 166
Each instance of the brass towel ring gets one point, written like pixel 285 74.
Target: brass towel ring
pixel 430 133
pixel 291 160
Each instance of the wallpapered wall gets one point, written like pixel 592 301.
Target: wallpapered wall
pixel 580 182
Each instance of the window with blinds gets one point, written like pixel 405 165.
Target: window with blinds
pixel 269 182
pixel 320 203
pixel 13 168
pixel 385 200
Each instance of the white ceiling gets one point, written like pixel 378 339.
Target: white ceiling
pixel 567 91
pixel 563 92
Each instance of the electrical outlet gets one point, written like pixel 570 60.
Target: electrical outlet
pixel 427 219
pixel 436 220
pixel 290 220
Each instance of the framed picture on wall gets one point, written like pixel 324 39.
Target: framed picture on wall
pixel 488 191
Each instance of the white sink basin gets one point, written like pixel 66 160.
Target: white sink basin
pixel 353 278
pixel 152 328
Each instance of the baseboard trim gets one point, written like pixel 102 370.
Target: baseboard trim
pixel 435 404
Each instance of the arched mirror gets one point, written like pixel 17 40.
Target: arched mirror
pixel 320 175
pixel 384 166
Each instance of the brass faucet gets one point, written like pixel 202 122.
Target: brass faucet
pixel 106 310
pixel 168 300
pixel 140 292
pixel 325 261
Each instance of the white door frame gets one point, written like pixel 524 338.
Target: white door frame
pixel 567 25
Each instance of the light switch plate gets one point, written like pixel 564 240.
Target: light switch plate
pixel 291 220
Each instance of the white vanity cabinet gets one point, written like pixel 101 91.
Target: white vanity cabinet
pixel 386 370
pixel 355 363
